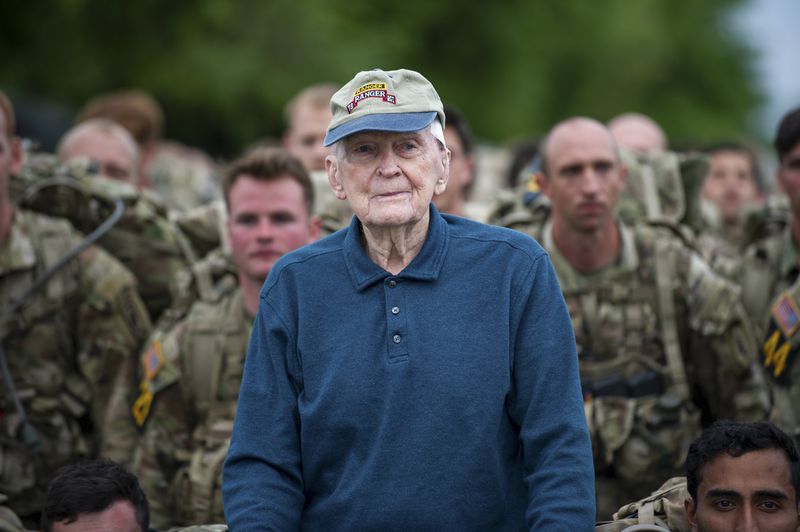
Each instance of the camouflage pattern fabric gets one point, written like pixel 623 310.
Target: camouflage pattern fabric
pixel 9 521
pixel 777 357
pixel 184 178
pixel 200 528
pixel 145 240
pixel 185 409
pixel 664 508
pixel 64 348
pixel 640 424
pixel 770 266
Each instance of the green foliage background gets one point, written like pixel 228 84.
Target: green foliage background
pixel 224 69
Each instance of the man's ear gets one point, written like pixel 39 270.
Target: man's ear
pixel 334 178
pixel 690 508
pixel 314 224
pixel 16 155
pixel 441 183
pixel 541 182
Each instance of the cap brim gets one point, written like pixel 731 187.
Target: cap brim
pixel 397 122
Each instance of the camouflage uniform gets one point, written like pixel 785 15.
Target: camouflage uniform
pixel 182 177
pixel 663 343
pixel 186 406
pixel 664 508
pixel 777 356
pixel 63 347
pixel 145 239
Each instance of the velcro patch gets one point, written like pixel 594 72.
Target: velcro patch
pixel 777 355
pixel 152 361
pixel 787 314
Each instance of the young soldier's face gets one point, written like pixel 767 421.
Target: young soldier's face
pixel 789 177
pixel 730 183
pixel 752 492
pixel 267 219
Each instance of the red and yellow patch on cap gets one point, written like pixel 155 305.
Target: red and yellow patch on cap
pixel 371 90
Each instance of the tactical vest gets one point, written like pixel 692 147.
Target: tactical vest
pixel 41 349
pixel 145 240
pixel 216 338
pixel 663 510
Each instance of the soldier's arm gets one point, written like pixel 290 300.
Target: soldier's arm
pixel 112 325
pixel 160 413
pixel 722 346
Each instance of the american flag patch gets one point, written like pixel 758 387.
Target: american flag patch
pixel 786 314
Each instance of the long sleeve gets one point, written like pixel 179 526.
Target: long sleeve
pixel 262 480
pixel 547 405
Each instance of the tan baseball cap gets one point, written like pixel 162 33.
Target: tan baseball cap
pixel 377 100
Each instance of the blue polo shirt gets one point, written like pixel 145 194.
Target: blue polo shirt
pixel 446 397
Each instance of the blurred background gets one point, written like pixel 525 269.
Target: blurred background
pixel 704 69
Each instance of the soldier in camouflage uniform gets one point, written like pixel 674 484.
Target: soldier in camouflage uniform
pixel 62 344
pixel 146 239
pixel 663 342
pixel 770 288
pixel 183 177
pixel 191 372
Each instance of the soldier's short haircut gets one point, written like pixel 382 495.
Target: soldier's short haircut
pixel 92 487
pixel 739 147
pixel 267 164
pixel 317 96
pixel 736 438
pixel 544 143
pixel 135 110
pixel 8 112
pixel 788 134
pixel 104 125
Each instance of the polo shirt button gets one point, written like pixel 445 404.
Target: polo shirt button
pixel 395 310
pixel 396 338
pixel 392 283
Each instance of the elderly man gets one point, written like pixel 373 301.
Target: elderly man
pixel 414 371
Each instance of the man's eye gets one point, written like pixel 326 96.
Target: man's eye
pixel 724 505
pixel 603 168
pixel 246 220
pixel 770 506
pixel 282 218
pixel 308 141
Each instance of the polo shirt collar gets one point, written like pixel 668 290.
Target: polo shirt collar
pixel 426 266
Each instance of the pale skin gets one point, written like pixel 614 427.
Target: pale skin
pixel 10 163
pixel 749 493
pixel 583 180
pixel 389 179
pixel 267 219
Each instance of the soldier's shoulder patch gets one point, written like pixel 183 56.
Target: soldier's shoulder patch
pixel 777 355
pixel 154 379
pixel 786 313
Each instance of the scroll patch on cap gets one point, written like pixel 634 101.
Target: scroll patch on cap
pixel 371 90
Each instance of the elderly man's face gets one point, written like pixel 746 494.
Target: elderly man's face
pixel 584 176
pixel 752 492
pixel 110 154
pixel 389 178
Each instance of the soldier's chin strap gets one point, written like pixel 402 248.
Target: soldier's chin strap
pixel 26 433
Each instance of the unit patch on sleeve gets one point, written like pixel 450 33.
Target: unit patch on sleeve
pixel 777 354
pixel 152 361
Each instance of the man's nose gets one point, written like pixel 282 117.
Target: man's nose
pixel 265 228
pixel 746 521
pixel 590 181
pixel 387 164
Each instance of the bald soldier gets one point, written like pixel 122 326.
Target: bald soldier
pixel 663 343
pixel 637 132
pixel 191 371
pixel 61 343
